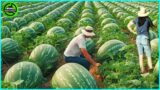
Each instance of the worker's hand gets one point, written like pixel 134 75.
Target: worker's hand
pixel 97 64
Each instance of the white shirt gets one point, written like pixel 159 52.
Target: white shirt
pixel 73 49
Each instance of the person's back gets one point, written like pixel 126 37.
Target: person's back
pixel 73 49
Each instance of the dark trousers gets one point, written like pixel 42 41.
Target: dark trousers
pixel 80 60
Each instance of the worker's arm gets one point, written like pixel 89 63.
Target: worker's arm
pixel 88 57
pixel 129 26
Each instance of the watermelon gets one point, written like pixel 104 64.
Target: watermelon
pixel 156 68
pixel 38 27
pixel 128 19
pixel 13 26
pixel 107 21
pixel 90 15
pixel 111 26
pixel 24 75
pixel 87 11
pixel 70 15
pixel 102 11
pixel 154 44
pixel 106 15
pixel 30 17
pixel 20 21
pixel 65 23
pixel 155 22
pixel 6 32
pixel 152 35
pixel 45 56
pixel 73 75
pixel 86 22
pixel 55 31
pixel 27 32
pixel 109 49
pixel 10 49
pixel 90 45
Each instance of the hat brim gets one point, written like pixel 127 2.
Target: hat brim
pixel 88 33
pixel 143 15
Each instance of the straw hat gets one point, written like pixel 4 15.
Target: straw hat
pixel 88 31
pixel 143 12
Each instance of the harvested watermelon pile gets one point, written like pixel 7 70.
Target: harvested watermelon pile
pixel 34 41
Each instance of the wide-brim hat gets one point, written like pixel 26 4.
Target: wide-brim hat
pixel 88 31
pixel 143 12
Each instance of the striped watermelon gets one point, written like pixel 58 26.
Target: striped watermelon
pixel 13 26
pixel 65 23
pixel 90 45
pixel 111 26
pixel 154 44
pixel 6 32
pixel 72 75
pixel 20 21
pixel 38 27
pixel 24 75
pixel 152 35
pixel 109 49
pixel 156 68
pixel 45 56
pixel 106 15
pixel 86 22
pixel 90 15
pixel 10 49
pixel 27 32
pixel 107 21
pixel 128 19
pixel 55 31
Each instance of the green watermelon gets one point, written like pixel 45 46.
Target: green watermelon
pixel 45 56
pixel 10 49
pixel 87 11
pixel 90 45
pixel 38 27
pixel 24 75
pixel 30 17
pixel 111 26
pixel 155 22
pixel 65 23
pixel 109 49
pixel 107 21
pixel 102 11
pixel 154 44
pixel 156 68
pixel 27 32
pixel 152 35
pixel 13 26
pixel 6 32
pixel 90 15
pixel 20 21
pixel 55 30
pixel 72 75
pixel 86 22
pixel 106 15
pixel 128 19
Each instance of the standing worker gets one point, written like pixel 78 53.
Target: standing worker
pixel 143 23
pixel 77 48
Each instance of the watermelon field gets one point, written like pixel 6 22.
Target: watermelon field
pixel 33 43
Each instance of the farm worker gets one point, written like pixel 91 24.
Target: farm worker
pixel 143 23
pixel 77 48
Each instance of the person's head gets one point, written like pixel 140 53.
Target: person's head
pixel 88 32
pixel 142 15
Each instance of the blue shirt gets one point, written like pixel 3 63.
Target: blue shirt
pixel 143 29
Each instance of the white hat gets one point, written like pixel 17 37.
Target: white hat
pixel 142 12
pixel 88 31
